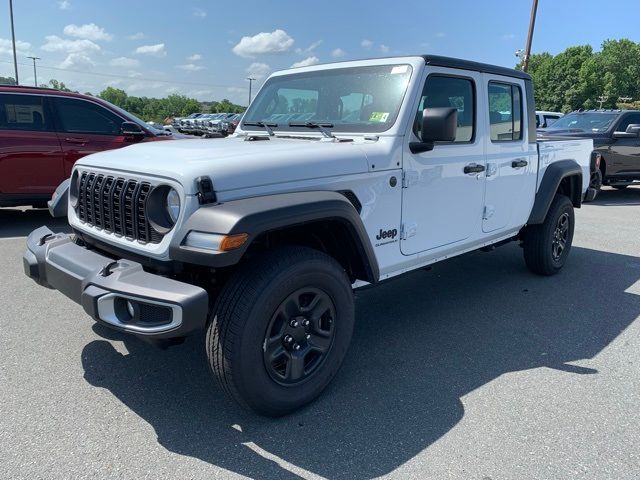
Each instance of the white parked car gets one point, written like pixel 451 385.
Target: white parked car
pixel 545 119
pixel 338 176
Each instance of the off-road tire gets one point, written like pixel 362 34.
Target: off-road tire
pixel 538 244
pixel 238 323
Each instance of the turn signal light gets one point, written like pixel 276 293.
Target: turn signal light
pixel 231 242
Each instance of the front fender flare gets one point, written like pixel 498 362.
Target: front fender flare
pixel 258 215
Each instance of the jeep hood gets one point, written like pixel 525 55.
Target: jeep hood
pixel 233 163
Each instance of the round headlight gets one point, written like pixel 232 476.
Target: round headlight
pixel 172 204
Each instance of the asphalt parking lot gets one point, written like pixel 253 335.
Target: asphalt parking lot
pixel 475 369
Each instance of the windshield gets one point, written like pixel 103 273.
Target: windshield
pixel 588 121
pixel 132 118
pixel 354 99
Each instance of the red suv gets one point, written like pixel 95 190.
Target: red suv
pixel 44 131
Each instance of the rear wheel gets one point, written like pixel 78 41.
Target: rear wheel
pixel 547 246
pixel 280 329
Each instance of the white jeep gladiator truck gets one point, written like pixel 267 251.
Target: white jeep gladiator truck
pixel 339 176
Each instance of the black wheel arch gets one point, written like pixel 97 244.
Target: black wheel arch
pixel 563 176
pixel 325 220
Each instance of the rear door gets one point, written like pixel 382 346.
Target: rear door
pixel 511 160
pixel 30 154
pixel 85 127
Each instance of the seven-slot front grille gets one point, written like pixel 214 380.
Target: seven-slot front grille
pixel 116 205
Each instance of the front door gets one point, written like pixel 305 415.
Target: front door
pixel 30 154
pixel 443 188
pixel 625 152
pixel 84 127
pixel 511 159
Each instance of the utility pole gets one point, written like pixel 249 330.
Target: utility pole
pixel 13 38
pixel 35 75
pixel 602 99
pixel 251 80
pixel 532 24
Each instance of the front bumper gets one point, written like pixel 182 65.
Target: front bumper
pixel 117 293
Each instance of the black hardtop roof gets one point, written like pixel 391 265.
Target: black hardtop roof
pixel 451 62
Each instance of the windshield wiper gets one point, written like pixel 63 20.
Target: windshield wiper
pixel 266 125
pixel 320 126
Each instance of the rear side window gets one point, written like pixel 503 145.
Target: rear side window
pixel 505 112
pixel 80 116
pixel 459 93
pixel 550 120
pixel 24 112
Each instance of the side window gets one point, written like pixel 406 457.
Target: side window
pixel 550 119
pixel 628 120
pixel 24 112
pixel 505 112
pixel 80 116
pixel 459 93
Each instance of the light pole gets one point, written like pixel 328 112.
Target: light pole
pixel 602 99
pixel 13 38
pixel 532 24
pixel 35 75
pixel 251 80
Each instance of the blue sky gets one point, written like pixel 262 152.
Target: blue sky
pixel 206 49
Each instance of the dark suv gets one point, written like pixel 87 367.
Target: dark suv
pixel 44 131
pixel 616 139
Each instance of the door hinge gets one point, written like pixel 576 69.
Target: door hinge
pixel 408 230
pixel 409 177
pixel 492 169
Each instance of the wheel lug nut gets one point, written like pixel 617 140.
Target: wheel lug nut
pixel 306 323
pixel 308 336
pixel 296 346
pixel 294 323
pixel 288 338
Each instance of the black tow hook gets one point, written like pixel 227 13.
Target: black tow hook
pixel 46 238
pixel 108 270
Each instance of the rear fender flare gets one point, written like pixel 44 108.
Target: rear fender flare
pixel 550 184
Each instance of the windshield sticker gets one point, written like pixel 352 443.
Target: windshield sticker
pixel 379 117
pixel 399 69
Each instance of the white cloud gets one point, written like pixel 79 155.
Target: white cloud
pixel 124 62
pixel 258 70
pixel 195 57
pixel 338 52
pixel 77 60
pixel 6 47
pixel 90 31
pixel 310 48
pixel 384 48
pixel 306 62
pixel 172 90
pixel 366 43
pixel 263 43
pixel 133 74
pixel 64 5
pixel 200 13
pixel 190 67
pixel 136 36
pixel 156 50
pixel 57 44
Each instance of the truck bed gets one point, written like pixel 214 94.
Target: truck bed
pixel 553 149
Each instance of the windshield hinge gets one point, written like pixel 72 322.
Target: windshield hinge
pixel 409 177
pixel 205 190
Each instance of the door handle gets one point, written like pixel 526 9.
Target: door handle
pixel 521 162
pixel 474 168
pixel 81 141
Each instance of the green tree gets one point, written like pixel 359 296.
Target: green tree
pixel 115 95
pixel 7 81
pixel 53 83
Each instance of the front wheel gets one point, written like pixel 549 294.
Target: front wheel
pixel 280 329
pixel 547 246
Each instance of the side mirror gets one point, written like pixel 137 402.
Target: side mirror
pixel 438 125
pixel 632 131
pixel 132 129
pixel 634 128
